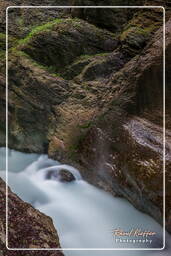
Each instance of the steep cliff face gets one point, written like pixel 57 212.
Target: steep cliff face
pixel 130 149
pixel 89 93
pixel 27 227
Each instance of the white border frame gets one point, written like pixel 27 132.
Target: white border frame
pixel 164 82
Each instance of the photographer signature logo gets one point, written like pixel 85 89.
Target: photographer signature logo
pixel 133 236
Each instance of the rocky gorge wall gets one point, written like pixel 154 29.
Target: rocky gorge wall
pixel 27 227
pixel 86 87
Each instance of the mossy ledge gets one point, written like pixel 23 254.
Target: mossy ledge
pixel 43 28
pixel 66 40
pixel 38 29
pixel 14 53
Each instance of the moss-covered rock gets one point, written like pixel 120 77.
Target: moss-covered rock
pixel 98 17
pixel 140 28
pixel 22 20
pixel 102 66
pixel 112 19
pixel 11 41
pixel 92 67
pixel 77 66
pixel 60 42
pixel 34 100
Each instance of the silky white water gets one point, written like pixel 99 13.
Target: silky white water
pixel 83 215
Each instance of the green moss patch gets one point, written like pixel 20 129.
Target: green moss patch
pixel 16 53
pixel 11 41
pixel 137 33
pixel 38 29
pixel 47 27
pixel 60 43
pixel 84 57
pixel 131 31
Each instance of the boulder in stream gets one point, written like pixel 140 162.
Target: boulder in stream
pixel 66 176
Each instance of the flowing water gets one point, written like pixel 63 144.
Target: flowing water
pixel 83 215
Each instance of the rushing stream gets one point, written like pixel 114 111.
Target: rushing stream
pixel 84 216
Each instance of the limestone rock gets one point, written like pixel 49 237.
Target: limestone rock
pixel 67 39
pixel 116 17
pixel 27 227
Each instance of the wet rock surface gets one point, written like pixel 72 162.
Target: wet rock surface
pixel 27 227
pixel 61 175
pixel 66 176
pixel 130 164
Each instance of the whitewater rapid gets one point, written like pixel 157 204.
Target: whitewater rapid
pixel 84 216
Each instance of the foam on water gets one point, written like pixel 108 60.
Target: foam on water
pixel 83 215
pixel 42 173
